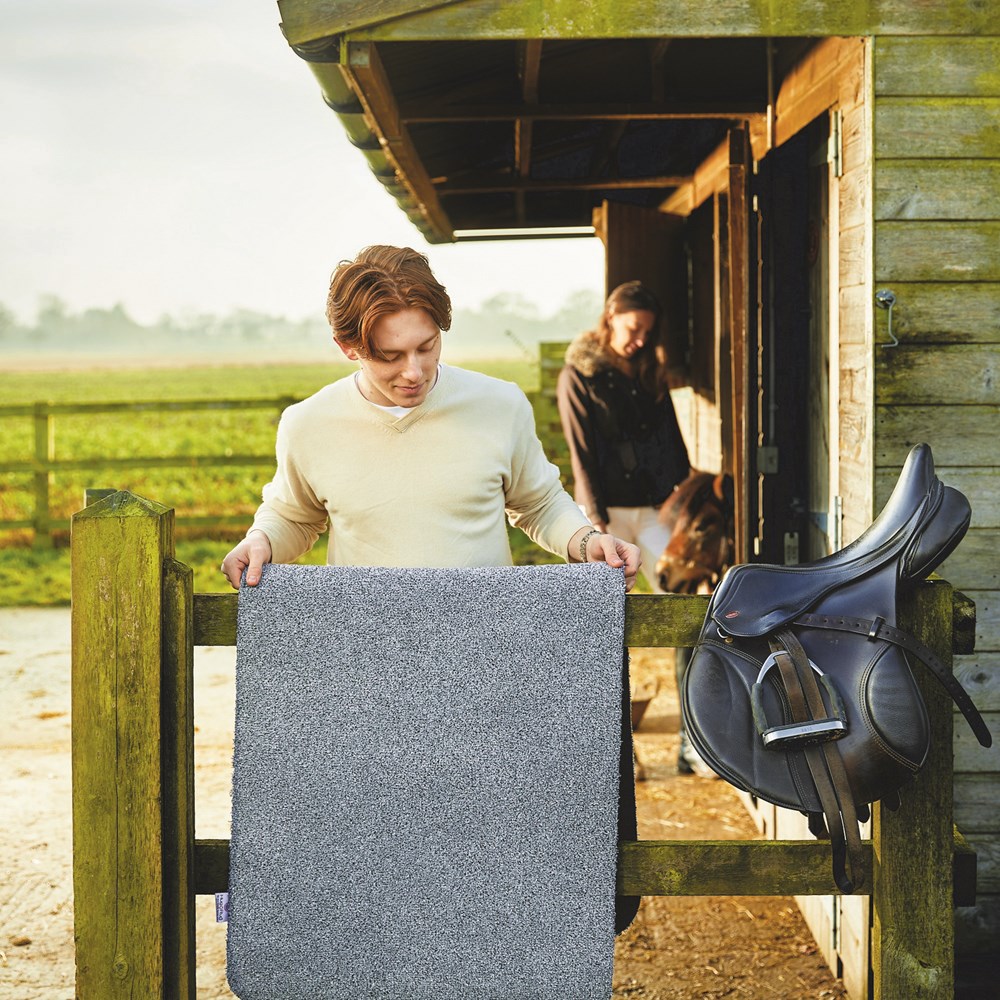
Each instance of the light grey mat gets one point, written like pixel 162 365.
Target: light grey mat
pixel 425 784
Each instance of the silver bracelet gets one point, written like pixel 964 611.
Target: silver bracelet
pixel 583 543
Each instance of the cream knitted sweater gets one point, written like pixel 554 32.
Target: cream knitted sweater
pixel 431 489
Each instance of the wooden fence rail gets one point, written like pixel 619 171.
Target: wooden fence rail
pixel 137 866
pixel 43 465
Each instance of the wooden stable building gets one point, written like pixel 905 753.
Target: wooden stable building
pixel 813 188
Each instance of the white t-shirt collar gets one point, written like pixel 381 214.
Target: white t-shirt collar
pixel 399 412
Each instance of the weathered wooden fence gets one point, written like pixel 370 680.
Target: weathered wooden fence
pixel 44 463
pixel 137 866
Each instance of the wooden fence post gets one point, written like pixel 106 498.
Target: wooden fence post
pixel 44 455
pixel 913 936
pixel 128 883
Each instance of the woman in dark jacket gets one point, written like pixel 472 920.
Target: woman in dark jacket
pixel 624 440
pixel 625 443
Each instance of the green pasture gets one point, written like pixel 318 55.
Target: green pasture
pixel 35 576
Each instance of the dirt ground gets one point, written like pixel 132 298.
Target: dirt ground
pixel 677 947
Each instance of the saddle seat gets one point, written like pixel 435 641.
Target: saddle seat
pixel 920 525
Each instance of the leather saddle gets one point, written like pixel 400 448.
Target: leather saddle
pixel 799 689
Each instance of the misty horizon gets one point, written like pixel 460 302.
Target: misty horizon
pixel 504 325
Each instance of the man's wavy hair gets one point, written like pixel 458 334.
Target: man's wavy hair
pixel 380 281
pixel 650 364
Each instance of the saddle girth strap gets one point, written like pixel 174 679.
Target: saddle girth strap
pixel 879 629
pixel 825 763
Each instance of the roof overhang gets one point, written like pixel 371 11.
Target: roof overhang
pixel 519 119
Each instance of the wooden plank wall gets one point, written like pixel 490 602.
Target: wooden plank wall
pixel 853 254
pixel 937 246
pixel 701 426
pixel 835 79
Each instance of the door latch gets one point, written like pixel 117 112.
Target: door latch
pixel 885 298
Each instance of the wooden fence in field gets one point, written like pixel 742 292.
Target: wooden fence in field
pixel 44 464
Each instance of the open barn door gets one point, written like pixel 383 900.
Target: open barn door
pixel 790 359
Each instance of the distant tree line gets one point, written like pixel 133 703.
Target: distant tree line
pixel 507 325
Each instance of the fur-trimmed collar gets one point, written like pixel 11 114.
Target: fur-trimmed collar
pixel 588 357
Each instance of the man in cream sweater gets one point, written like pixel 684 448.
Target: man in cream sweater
pixel 411 462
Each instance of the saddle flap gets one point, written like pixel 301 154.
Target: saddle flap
pixel 755 599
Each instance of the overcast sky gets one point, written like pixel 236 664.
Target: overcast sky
pixel 176 156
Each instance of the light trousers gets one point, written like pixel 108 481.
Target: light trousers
pixel 641 526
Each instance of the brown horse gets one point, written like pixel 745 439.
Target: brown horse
pixel 700 515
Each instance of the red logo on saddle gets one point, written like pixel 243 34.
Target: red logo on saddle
pixel 732 614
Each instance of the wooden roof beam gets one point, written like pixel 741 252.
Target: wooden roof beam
pixel 529 64
pixel 712 174
pixel 363 66
pixel 524 184
pixel 657 56
pixel 606 147
pixel 552 151
pixel 422 112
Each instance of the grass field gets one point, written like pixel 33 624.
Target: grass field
pixel 41 577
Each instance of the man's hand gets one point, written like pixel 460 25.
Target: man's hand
pixel 615 552
pixel 607 548
pixel 249 555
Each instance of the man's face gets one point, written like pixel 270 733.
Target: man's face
pixel 406 349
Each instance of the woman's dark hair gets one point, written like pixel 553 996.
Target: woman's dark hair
pixel 650 364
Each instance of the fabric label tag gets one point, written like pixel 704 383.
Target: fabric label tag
pixel 222 907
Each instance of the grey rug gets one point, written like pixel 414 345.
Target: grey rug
pixel 425 787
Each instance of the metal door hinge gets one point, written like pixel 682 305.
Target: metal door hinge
pixel 791 548
pixel 767 460
pixel 837 535
pixel 835 147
